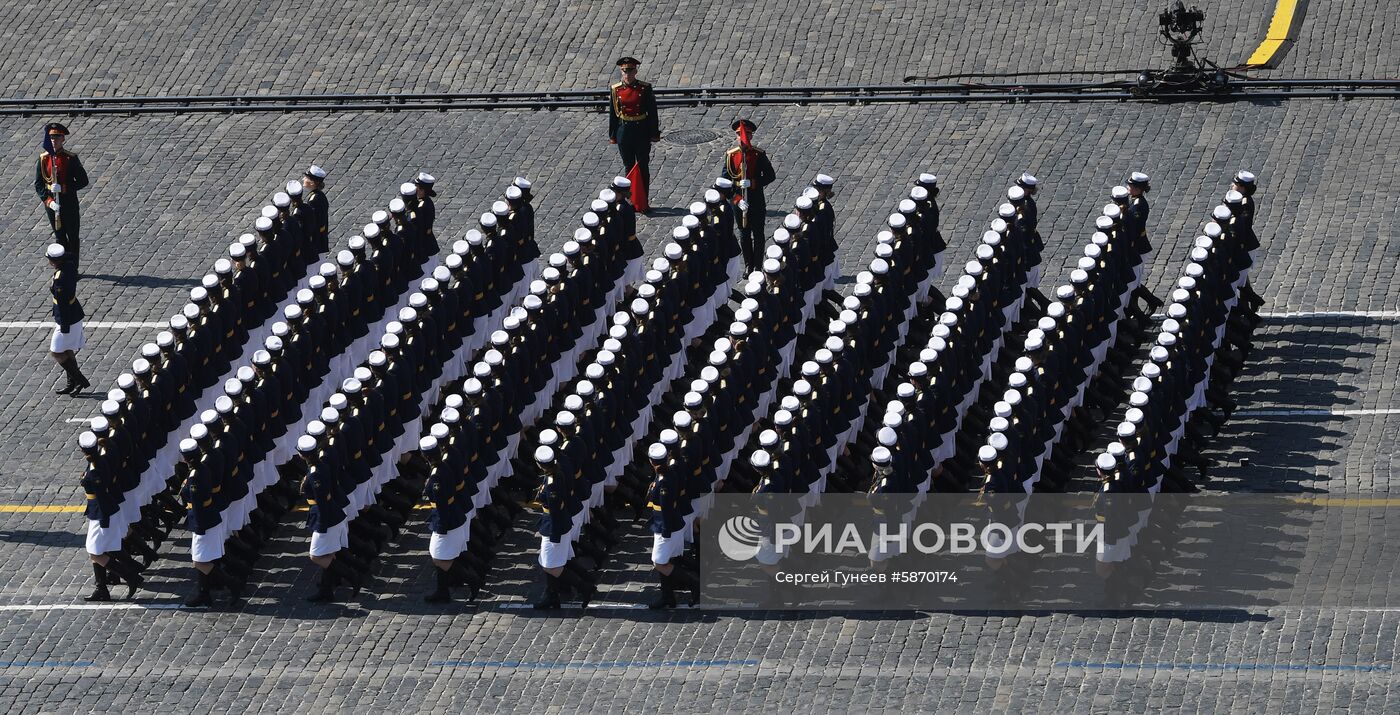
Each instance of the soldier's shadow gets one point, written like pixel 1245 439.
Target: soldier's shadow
pixel 142 281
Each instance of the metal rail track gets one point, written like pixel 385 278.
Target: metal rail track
pixel 596 100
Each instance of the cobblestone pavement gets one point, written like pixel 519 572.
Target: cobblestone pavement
pixel 288 46
pixel 169 192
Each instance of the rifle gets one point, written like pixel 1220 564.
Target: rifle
pixel 743 175
pixel 53 181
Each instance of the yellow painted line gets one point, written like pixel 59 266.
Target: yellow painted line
pixel 1280 27
pixel 24 509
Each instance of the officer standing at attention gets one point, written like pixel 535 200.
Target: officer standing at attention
pixel 633 127
pixel 58 177
pixel 750 170
pixel 67 337
pixel 313 199
pixel 425 212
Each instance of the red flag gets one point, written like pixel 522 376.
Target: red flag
pixel 639 188
pixel 744 136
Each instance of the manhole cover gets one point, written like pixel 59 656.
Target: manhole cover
pixel 691 137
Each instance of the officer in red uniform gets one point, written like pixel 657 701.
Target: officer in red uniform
pixel 58 177
pixel 750 170
pixel 633 127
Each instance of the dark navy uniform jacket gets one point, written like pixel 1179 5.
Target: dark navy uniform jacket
pixel 66 308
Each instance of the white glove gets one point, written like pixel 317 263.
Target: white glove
pixel 745 183
pixel 49 203
pixel 57 188
pixel 743 205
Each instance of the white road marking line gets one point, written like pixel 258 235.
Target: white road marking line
pixel 49 325
pixel 94 607
pixel 1306 314
pixel 513 606
pixel 78 420
pixel 1333 314
pixel 1316 413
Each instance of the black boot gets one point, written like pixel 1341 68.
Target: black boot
pixel 550 602
pixel 465 575
pixel 100 592
pixel 325 590
pixel 202 598
pixel 667 599
pixel 77 382
pixel 222 578
pixel 442 594
pixel 129 570
pixel 688 580
pixel 348 571
pixel 580 581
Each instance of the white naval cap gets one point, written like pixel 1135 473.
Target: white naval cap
pixel 544 454
pixel 1028 179
pixel 656 452
pixel 1233 197
pixel 1103 223
pixel 1126 429
pixel 1006 211
pixel 760 458
pixel 1138 398
pixel 987 453
pixel 269 212
pixel 887 436
pixel 281 200
pixel 548 437
pixel 1016 193
pixel 1221 213
pixel 998 441
pixel 1244 177
pixel 991 238
pixel 1105 461
pixel 1137 177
